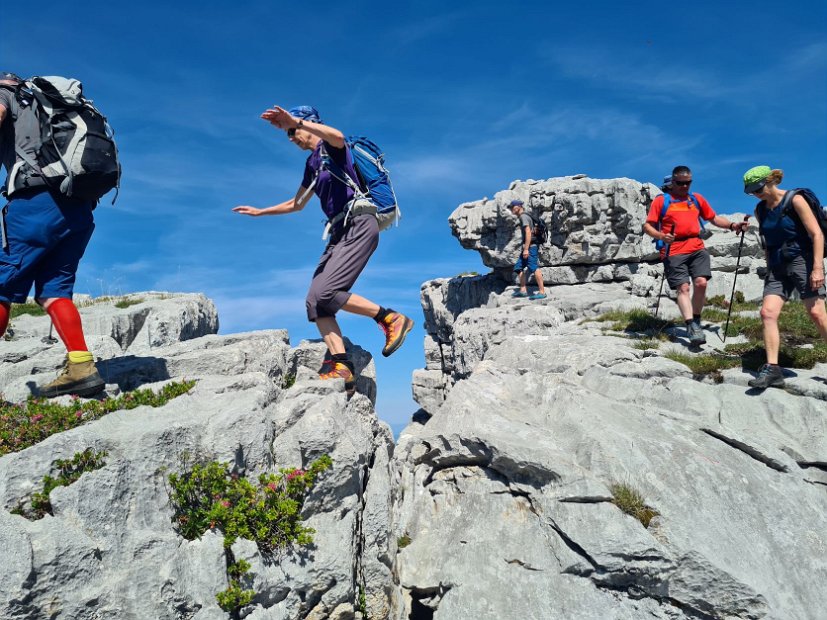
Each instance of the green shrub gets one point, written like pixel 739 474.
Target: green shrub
pixel 288 381
pixel 208 496
pixel 33 309
pixel 25 424
pixel 63 473
pixel 631 502
pixel 403 541
pixel 235 597
pixel 129 301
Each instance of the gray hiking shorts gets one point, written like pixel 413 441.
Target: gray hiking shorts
pixel 683 268
pixel 341 263
pixel 794 275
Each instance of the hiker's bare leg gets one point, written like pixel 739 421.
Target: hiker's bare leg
pixel 538 276
pixel 817 312
pixel 331 334
pixel 522 282
pixel 698 296
pixel 770 309
pixel 685 301
pixel 359 305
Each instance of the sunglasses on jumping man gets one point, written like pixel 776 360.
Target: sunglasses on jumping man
pixel 683 183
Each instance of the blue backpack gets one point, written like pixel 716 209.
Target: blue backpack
pixel 374 182
pixel 667 201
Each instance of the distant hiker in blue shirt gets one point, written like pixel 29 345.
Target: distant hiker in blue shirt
pixel 792 226
pixel 44 236
pixel 529 254
pixel 354 237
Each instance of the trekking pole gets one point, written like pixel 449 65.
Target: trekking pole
pixel 735 279
pixel 665 256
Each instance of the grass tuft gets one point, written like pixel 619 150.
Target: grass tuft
pixel 631 502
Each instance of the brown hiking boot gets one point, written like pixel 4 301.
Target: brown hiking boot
pixel 396 326
pixel 77 378
pixel 339 370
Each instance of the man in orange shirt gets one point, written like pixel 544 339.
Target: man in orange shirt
pixel 687 260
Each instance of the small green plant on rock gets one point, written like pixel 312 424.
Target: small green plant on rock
pixel 129 301
pixel 631 502
pixel 209 496
pixel 403 541
pixel 34 309
pixel 63 473
pixel 235 596
pixel 25 424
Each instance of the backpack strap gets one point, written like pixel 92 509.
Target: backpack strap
pixel 692 199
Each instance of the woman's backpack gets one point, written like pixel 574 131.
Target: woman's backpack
pixel 788 210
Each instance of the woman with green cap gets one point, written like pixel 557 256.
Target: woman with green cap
pixel 794 245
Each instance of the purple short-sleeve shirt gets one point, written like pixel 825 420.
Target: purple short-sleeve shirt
pixel 333 193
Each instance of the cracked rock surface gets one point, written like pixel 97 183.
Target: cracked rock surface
pixel 110 551
pixel 531 417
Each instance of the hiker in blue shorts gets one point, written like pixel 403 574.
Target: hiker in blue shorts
pixel 529 254
pixel 354 235
pixel 794 249
pixel 44 236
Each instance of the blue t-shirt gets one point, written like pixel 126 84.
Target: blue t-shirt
pixel 333 193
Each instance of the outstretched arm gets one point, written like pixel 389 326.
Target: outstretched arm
pixel 722 222
pixel 2 114
pixel 281 118
pixel 296 203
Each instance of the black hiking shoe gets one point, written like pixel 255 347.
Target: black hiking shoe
pixel 696 335
pixel 770 375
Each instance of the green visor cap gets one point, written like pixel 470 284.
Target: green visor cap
pixel 754 178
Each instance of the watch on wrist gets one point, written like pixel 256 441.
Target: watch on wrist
pixel 300 124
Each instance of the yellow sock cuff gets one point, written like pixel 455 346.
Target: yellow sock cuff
pixel 78 357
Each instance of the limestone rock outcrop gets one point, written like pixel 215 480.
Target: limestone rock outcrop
pixel 110 550
pixel 532 416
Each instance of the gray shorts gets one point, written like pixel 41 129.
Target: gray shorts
pixel 794 275
pixel 341 263
pixel 683 268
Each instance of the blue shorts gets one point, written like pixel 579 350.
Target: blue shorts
pixel 530 262
pixel 46 240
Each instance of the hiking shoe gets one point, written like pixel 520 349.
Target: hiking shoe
pixel 696 334
pixel 519 294
pixel 768 376
pixel 396 326
pixel 77 378
pixel 339 370
pixel 538 296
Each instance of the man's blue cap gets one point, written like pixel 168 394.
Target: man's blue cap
pixel 515 203
pixel 306 113
pixel 667 181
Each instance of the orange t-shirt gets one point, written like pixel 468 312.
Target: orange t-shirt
pixel 683 214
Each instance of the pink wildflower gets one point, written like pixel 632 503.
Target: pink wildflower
pixel 37 418
pixel 295 474
pixel 78 414
pixel 225 503
pixel 272 486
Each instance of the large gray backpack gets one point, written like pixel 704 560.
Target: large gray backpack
pixel 74 153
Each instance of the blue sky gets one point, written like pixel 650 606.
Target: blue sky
pixel 465 97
